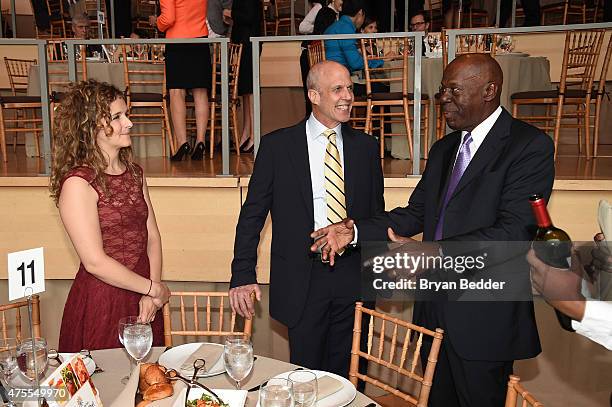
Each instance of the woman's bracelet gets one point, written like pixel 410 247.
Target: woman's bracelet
pixel 150 286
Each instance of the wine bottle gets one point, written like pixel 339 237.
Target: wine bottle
pixel 551 245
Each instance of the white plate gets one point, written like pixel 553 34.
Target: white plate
pixel 341 398
pixel 175 357
pixel 90 365
pixel 234 398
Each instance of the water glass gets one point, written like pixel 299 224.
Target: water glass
pixel 304 384
pixel 136 337
pixel 29 351
pixel 238 358
pixel 8 360
pixel 276 393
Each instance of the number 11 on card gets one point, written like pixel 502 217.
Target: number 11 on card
pixel 26 273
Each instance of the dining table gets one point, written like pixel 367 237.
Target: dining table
pixel 115 364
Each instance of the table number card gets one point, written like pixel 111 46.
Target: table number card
pixel 26 273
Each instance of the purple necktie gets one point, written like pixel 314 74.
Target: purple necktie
pixel 463 160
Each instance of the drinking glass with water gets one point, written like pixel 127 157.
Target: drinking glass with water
pixel 238 358
pixel 304 384
pixel 136 337
pixel 276 393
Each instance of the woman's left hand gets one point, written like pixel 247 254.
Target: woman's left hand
pixel 153 21
pixel 146 309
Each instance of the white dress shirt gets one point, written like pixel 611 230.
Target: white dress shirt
pixel 317 144
pixel 480 132
pixel 596 323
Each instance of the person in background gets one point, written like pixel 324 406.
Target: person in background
pixel 345 52
pixel 307 27
pixel 531 9
pixel 327 16
pixel 370 25
pixel 105 208
pixel 307 24
pixel 562 289
pixel 419 22
pixel 219 18
pixel 188 66
pixel 247 19
pixel 80 30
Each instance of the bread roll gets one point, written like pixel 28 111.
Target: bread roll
pixel 158 391
pixel 154 375
pixel 142 384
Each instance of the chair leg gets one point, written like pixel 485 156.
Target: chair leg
pixel 587 130
pixel 408 129
pixel 382 136
pixel 558 124
pixel 2 135
pixel 426 130
pixel 212 129
pixel 368 123
pixel 580 128
pixel 596 126
pixel 235 125
pixel 169 133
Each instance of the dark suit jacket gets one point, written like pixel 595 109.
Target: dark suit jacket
pixel 490 203
pixel 281 185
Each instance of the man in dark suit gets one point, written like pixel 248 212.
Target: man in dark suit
pixel 475 188
pixel 307 176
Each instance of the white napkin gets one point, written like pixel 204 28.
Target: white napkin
pixel 604 217
pixel 326 386
pixel 210 353
pixel 127 397
pixel 234 398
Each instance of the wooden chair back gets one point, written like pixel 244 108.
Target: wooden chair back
pixel 436 12
pixel 580 57
pixel 57 65
pixel 91 10
pixel 58 16
pixel 516 392
pixel 18 70
pixel 316 52
pixel 211 315
pixel 398 346
pixel 142 70
pixel 19 308
pixel 144 9
pixel 386 50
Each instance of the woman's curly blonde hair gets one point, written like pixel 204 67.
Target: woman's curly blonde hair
pixel 78 120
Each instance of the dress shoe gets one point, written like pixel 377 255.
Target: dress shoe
pixel 198 152
pixel 181 153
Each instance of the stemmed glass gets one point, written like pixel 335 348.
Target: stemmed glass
pixel 28 351
pixel 8 361
pixel 112 50
pixel 136 337
pixel 238 358
pixel 304 384
pixel 276 393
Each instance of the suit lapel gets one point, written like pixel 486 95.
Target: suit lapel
pixel 350 166
pixel 448 161
pixel 298 151
pixel 493 142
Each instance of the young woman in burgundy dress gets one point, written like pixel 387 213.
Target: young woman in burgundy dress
pixel 104 205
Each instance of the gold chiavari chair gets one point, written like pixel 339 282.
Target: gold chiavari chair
pixel 316 52
pixel 91 10
pixel 234 54
pixel 144 9
pixel 601 91
pixel 282 17
pixel 209 312
pixel 477 17
pixel 580 57
pixel 145 78
pixel 380 104
pixel 18 307
pixel 516 392
pixel 16 109
pixel 395 345
pixel 565 12
pixel 58 19
pixel 436 14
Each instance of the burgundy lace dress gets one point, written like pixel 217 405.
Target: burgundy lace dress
pixel 93 308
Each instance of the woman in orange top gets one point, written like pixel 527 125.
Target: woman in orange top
pixel 187 67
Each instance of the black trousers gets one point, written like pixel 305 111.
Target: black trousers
pixel 530 7
pixel 459 382
pixel 323 337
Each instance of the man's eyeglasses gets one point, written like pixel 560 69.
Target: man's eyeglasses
pixel 453 90
pixel 417 24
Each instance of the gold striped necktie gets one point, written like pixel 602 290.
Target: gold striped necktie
pixel 334 180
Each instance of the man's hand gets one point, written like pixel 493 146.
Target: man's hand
pixel 241 300
pixel 227 16
pixel 561 288
pixel 333 239
pixel 153 21
pixel 146 309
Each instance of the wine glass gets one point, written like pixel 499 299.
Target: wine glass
pixel 112 50
pixel 136 337
pixel 28 351
pixel 238 358
pixel 8 361
pixel 304 384
pixel 276 393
